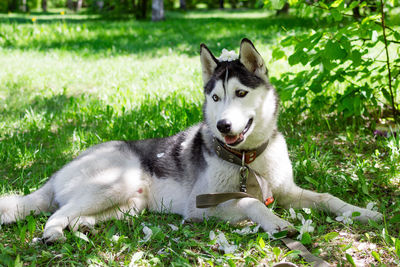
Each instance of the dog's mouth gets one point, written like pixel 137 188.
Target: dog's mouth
pixel 233 140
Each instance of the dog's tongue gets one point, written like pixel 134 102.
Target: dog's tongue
pixel 231 139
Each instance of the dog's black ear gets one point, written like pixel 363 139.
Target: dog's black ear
pixel 208 63
pixel 251 59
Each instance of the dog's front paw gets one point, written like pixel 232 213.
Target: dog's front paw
pixel 278 225
pixel 366 215
pixel 52 235
pixel 4 218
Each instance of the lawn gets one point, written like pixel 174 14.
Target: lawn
pixel 70 81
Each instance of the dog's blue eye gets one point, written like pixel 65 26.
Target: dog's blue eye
pixel 241 93
pixel 215 98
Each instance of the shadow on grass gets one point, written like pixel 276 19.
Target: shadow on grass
pixel 66 125
pixel 117 37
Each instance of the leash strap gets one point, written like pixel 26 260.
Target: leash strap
pixel 296 245
pixel 256 186
pixel 212 200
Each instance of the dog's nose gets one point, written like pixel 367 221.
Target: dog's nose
pixel 224 126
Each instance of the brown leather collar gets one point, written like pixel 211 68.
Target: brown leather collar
pixel 235 156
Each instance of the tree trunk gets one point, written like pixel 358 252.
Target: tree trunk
pixel 70 4
pixel 44 5
pixel 284 10
pixel 79 5
pixel 23 6
pixel 221 4
pixel 157 10
pixel 142 6
pixel 182 4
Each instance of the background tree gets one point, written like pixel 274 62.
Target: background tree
pixel 44 5
pixel 182 4
pixel 23 6
pixel 78 5
pixel 157 10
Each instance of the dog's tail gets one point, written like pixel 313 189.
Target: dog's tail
pixel 15 207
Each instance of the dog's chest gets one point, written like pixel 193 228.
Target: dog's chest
pixel 222 176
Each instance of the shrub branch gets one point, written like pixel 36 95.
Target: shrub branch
pixel 388 62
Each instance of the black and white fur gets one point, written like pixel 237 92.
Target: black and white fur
pixel 119 177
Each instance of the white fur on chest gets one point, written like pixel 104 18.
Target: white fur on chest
pixel 274 166
pixel 221 176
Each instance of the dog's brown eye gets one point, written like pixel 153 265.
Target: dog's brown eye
pixel 215 98
pixel 241 93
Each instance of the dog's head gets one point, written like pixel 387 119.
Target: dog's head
pixel 240 103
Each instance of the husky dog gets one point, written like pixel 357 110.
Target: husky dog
pixel 117 178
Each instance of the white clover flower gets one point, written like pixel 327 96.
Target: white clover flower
pixel 372 206
pixel 228 55
pixel 223 243
pixel 306 228
pixel 307 210
pixel 147 233
pixel 212 235
pixel 115 238
pixel 247 230
pixel 173 227
pixel 345 218
pixel 301 218
pixel 135 257
pixel 293 214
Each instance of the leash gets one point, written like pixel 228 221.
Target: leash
pixel 242 159
pixel 296 245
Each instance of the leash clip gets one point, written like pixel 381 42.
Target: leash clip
pixel 244 173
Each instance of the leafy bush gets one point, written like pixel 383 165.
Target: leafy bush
pixel 57 3
pixel 33 4
pixel 3 5
pixel 15 5
pixel 352 61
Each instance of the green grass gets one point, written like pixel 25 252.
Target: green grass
pixel 68 82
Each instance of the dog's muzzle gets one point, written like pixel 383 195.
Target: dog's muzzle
pixel 225 127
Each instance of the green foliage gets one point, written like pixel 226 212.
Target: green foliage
pixel 3 6
pixel 8 5
pixel 58 3
pixel 274 4
pixel 33 4
pixel 72 81
pixel 341 73
pixel 15 5
pixel 139 8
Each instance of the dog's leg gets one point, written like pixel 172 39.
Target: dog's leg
pixel 301 198
pixel 86 223
pixel 288 194
pixel 134 206
pixel 53 230
pixel 245 208
pixel 83 223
